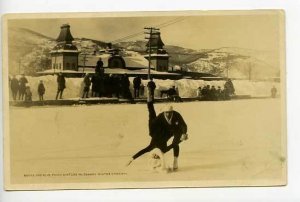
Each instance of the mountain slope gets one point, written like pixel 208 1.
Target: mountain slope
pixel 29 51
pixel 33 50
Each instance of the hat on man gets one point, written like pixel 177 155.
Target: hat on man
pixel 168 108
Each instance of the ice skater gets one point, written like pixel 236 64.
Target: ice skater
pixel 161 128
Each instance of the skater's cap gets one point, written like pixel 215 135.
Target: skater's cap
pixel 168 108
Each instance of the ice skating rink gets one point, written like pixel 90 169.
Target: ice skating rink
pixel 238 142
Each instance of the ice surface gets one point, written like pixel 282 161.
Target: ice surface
pixel 231 140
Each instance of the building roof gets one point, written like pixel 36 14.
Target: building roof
pixel 65 34
pixel 135 61
pixel 155 41
pixel 64 48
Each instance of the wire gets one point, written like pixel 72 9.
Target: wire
pixel 162 25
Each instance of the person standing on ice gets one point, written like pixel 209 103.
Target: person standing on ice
pixel 28 94
pixel 87 84
pixel 125 87
pixel 273 92
pixel 99 67
pixel 142 90
pixel 151 88
pixel 14 85
pixel 136 86
pixel 229 89
pixel 199 92
pixel 22 87
pixel 41 90
pixel 61 85
pixel 166 125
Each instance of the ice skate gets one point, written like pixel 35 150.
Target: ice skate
pixel 129 162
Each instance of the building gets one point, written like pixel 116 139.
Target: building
pixel 158 55
pixel 64 56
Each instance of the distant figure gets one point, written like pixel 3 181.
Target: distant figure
pixel 125 87
pixel 61 85
pixel 87 84
pixel 41 90
pixel 110 85
pixel 219 93
pixel 99 66
pixel 142 90
pixel 177 90
pixel 28 94
pixel 213 93
pixel 151 88
pixel 172 94
pixel 228 89
pixel 206 92
pixel 199 92
pixel 115 82
pixel 14 85
pixel 22 87
pixel 273 92
pixel 94 85
pixel 136 85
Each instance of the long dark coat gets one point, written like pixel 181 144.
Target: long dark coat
pixel 14 84
pixel 61 82
pixel 137 82
pixel 22 86
pixel 41 89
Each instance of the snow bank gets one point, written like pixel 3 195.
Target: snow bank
pixel 186 87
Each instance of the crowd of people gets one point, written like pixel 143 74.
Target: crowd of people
pixel 20 88
pixel 103 85
pixel 211 93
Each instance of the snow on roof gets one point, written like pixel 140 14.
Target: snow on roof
pixel 126 71
pixel 156 54
pixel 58 70
pixel 91 60
pixel 132 61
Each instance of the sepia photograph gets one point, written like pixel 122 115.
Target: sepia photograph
pixel 144 100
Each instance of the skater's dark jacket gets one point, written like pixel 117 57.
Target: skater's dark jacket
pixel 161 129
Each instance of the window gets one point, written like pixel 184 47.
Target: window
pixel 68 65
pixel 59 65
pixel 73 65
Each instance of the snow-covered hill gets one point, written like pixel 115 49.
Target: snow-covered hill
pixel 32 50
pixel 237 63
pixel 29 51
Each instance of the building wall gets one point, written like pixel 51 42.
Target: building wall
pixel 71 63
pixel 160 64
pixel 64 62
pixel 58 60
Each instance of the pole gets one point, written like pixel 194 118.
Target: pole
pixel 151 32
pixel 84 56
pixel 55 61
pixel 149 64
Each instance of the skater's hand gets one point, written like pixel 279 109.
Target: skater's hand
pixel 184 137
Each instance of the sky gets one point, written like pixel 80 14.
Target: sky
pixel 244 30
